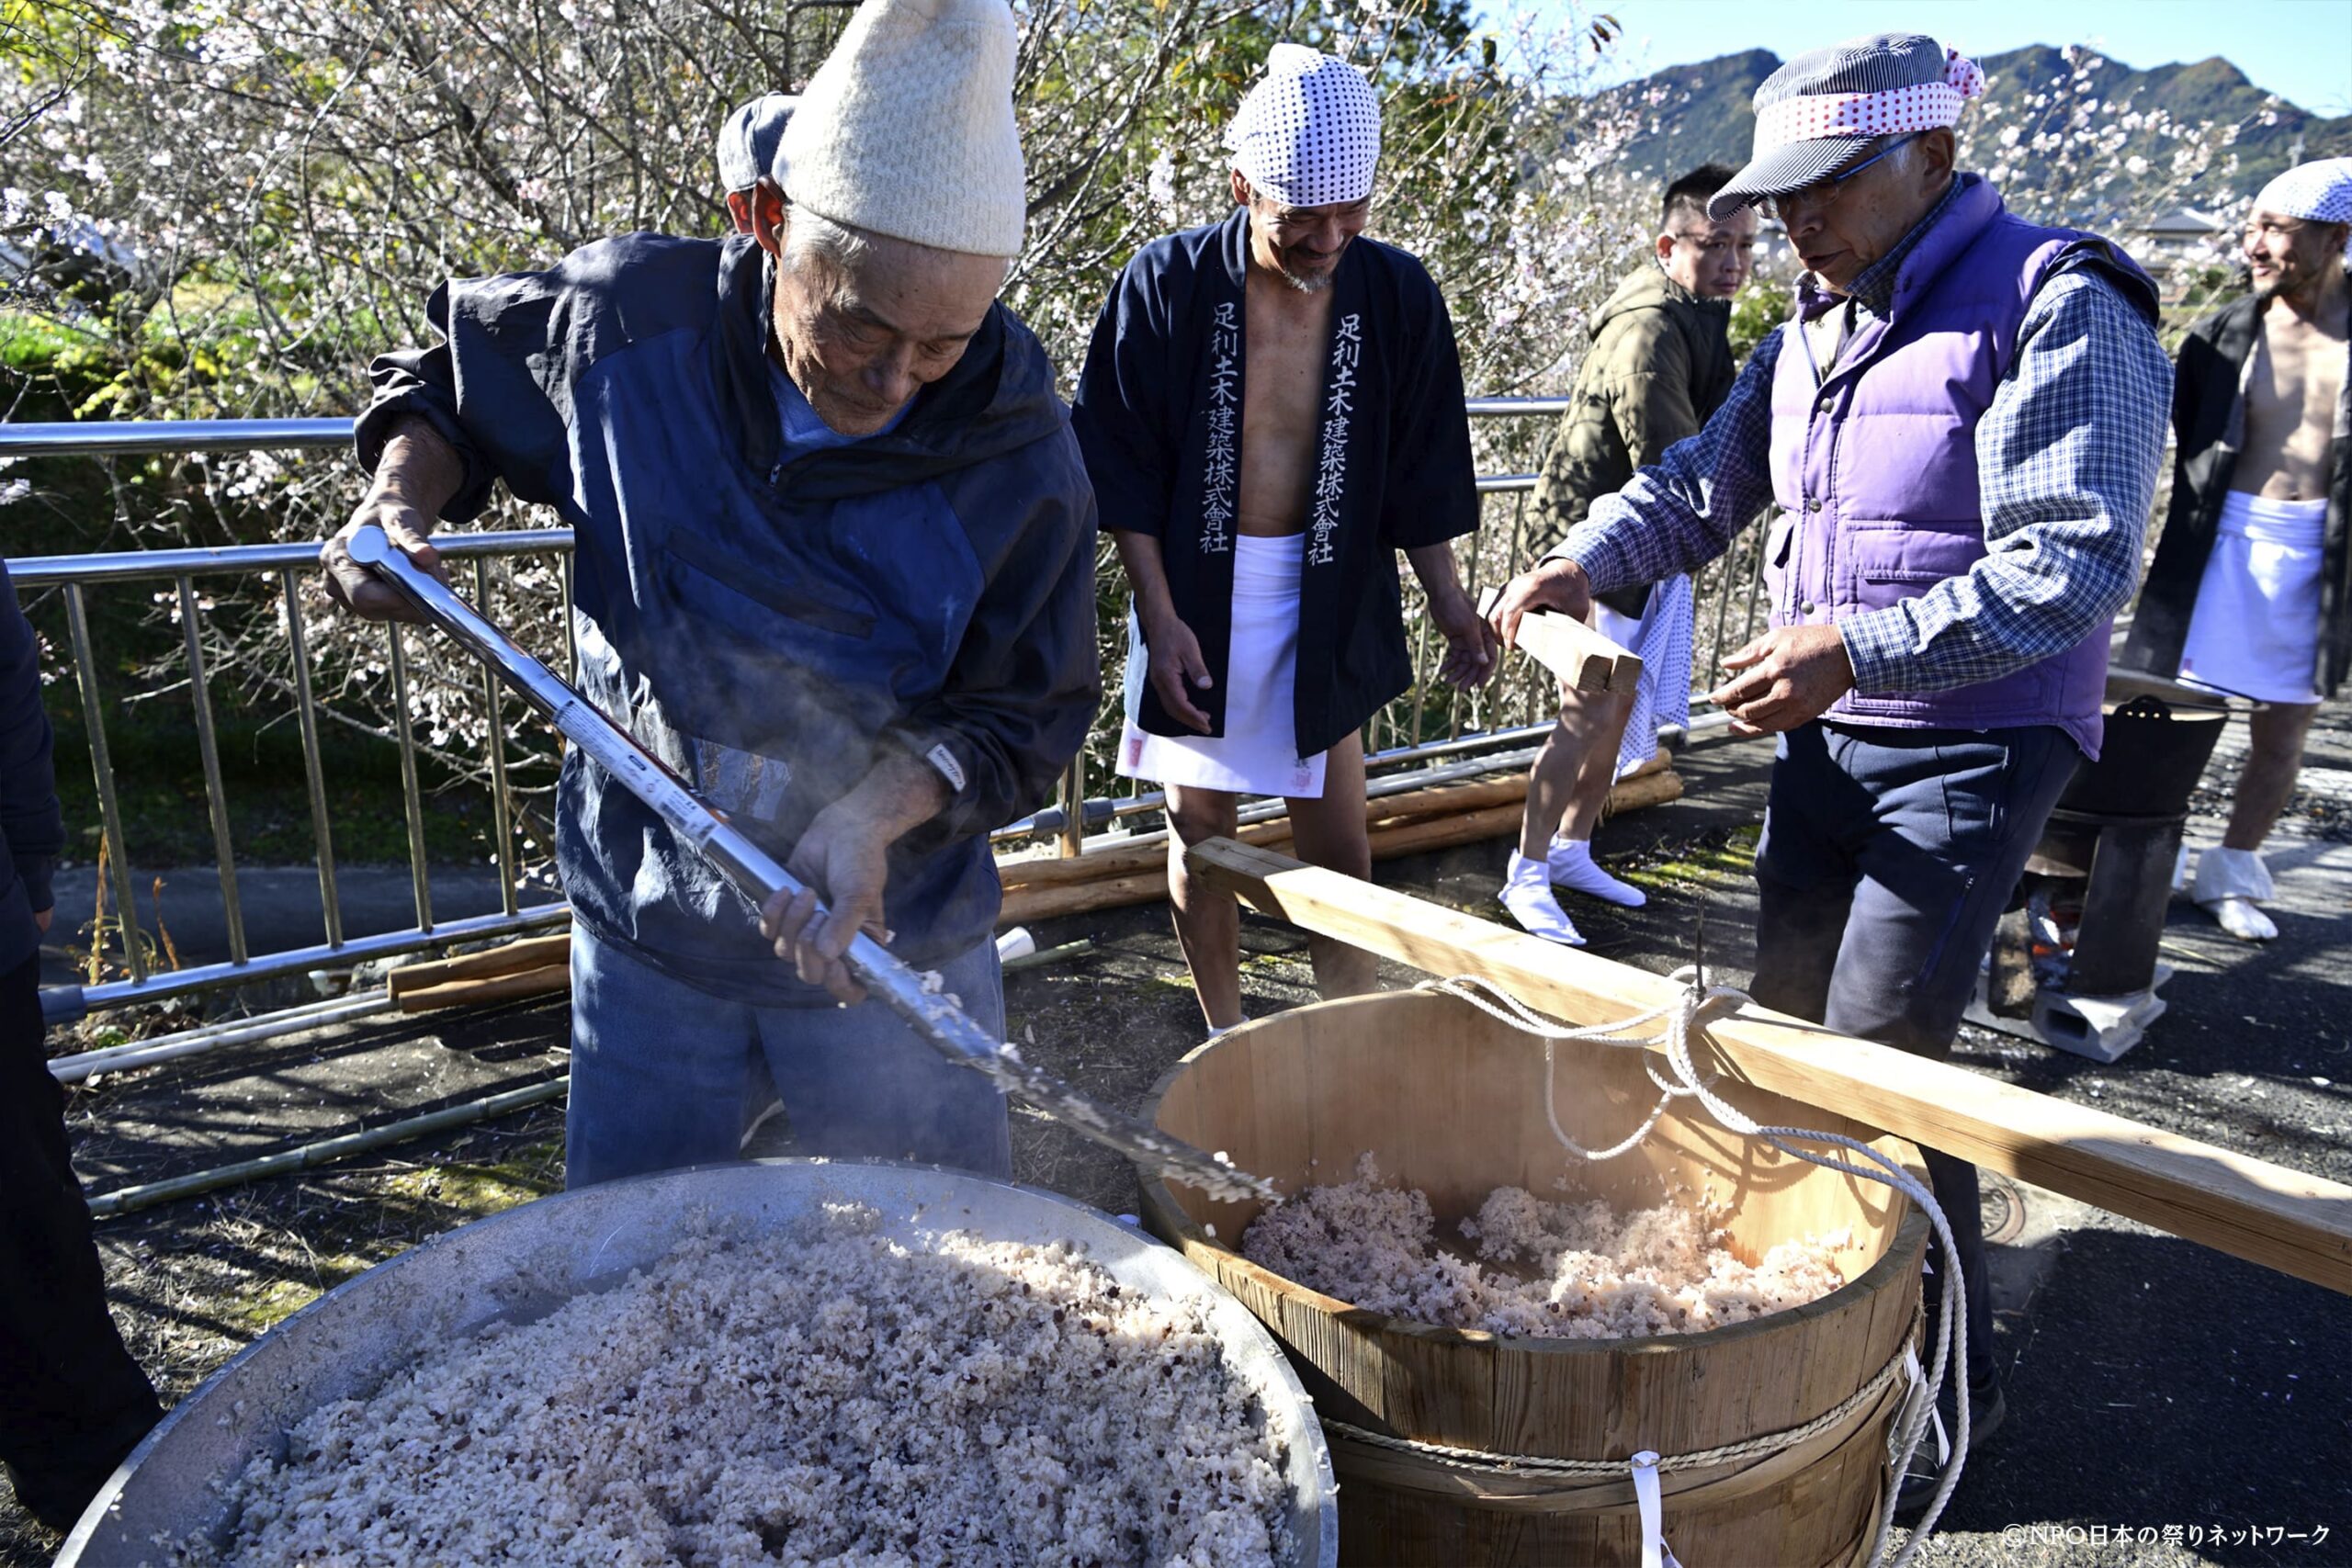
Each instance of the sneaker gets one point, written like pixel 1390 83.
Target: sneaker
pixel 1573 868
pixel 1985 1412
pixel 1527 893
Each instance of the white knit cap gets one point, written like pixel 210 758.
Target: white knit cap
pixel 1308 135
pixel 2320 191
pixel 907 128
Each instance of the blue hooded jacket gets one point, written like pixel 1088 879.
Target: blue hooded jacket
pixel 769 625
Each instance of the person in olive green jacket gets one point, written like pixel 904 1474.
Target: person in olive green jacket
pixel 1660 363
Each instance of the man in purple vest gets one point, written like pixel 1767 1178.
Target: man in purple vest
pixel 1962 434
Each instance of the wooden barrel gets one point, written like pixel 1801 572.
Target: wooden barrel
pixel 1450 1101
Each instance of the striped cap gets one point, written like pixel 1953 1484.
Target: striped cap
pixel 1822 112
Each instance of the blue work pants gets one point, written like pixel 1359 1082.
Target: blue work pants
pixel 1887 859
pixel 660 1074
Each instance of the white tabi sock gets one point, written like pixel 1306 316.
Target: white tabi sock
pixel 1527 893
pixel 2230 886
pixel 1573 867
pixel 2242 917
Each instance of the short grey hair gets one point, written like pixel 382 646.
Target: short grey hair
pixel 810 233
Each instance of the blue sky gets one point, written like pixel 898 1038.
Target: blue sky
pixel 2300 49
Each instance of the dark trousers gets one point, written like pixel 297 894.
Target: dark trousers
pixel 1888 856
pixel 72 1400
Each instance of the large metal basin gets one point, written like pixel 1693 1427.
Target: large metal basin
pixel 529 1259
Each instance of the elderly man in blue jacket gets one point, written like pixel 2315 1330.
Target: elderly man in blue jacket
pixel 834 549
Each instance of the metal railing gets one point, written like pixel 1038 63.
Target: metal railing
pixel 73 575
pixel 1493 721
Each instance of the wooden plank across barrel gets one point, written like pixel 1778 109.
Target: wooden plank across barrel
pixel 2248 1208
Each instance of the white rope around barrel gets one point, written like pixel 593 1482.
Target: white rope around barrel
pixel 1486 1462
pixel 1687 1015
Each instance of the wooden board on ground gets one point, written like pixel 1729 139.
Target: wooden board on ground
pixel 2248 1208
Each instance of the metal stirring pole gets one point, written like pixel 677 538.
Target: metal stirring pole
pixel 759 877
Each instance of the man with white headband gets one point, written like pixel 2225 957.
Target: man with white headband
pixel 1272 408
pixel 2251 590
pixel 1962 434
pixel 834 563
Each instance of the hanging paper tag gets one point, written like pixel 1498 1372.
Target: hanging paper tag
pixel 1656 1553
pixel 1908 1419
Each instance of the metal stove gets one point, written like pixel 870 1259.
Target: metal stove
pixel 2077 967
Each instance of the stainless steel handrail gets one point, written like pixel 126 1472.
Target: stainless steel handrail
pixel 1468 725
pixel 140 437
pixel 141 566
pixel 149 438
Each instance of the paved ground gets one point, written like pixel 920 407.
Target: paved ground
pixel 2155 1385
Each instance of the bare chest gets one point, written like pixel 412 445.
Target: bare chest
pixel 1280 406
pixel 2292 392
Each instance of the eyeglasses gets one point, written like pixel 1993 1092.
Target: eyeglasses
pixel 1716 246
pixel 1824 193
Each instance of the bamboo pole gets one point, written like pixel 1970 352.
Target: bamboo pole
pixel 510 958
pixel 2248 1208
pixel 481 990
pixel 127 1200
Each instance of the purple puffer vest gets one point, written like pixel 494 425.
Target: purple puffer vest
pixel 1875 469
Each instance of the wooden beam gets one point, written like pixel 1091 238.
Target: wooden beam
pixel 1578 655
pixel 2248 1208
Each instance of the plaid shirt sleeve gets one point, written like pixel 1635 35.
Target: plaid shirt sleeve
pixel 1682 514
pixel 2067 458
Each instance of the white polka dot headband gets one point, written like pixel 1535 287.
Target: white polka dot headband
pixel 1896 112
pixel 1308 133
pixel 2320 192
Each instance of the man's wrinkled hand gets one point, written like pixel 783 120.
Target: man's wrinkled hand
pixel 1471 645
pixel 357 589
pixel 1556 586
pixel 843 860
pixel 1783 679
pixel 42 917
pixel 1177 670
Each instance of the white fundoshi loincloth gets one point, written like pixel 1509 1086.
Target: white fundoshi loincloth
pixel 2255 629
pixel 1258 753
